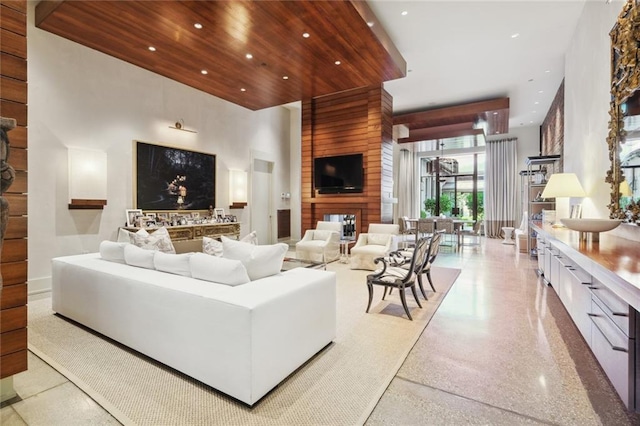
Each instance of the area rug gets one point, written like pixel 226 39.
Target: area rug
pixel 339 386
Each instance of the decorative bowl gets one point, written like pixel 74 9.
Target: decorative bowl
pixel 591 225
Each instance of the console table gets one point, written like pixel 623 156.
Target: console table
pixel 599 285
pixel 193 232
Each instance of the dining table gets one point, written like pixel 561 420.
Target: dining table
pixel 457 225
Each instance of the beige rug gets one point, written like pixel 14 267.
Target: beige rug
pixel 339 386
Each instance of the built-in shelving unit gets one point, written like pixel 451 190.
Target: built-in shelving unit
pixel 533 181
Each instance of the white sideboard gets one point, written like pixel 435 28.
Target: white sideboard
pixel 599 285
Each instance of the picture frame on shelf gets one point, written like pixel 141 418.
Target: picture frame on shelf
pixel 218 213
pixel 132 216
pixel 576 211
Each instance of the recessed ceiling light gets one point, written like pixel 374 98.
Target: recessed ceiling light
pixel 531 122
pixel 337 62
pixel 242 89
pixel 548 71
pixel 495 113
pixel 516 35
pixel 404 13
pixel 285 77
pixel 540 91
pixel 248 56
pixel 497 131
pixel 536 103
pixel 306 35
pixel 205 72
pixel 151 48
pixel 370 24
pixel 198 25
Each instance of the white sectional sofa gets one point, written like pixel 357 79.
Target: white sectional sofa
pixel 241 340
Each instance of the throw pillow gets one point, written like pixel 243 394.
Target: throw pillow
pixel 159 240
pixel 211 246
pixel 136 256
pixel 218 269
pixel 172 263
pixel 260 261
pixel 378 239
pixel 112 251
pixel 321 235
pixel 251 237
pixel 124 236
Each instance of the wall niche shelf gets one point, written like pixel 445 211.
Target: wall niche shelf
pixel 80 204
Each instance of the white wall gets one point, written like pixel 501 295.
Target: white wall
pixel 587 85
pixel 81 97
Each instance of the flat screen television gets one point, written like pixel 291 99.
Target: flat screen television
pixel 338 175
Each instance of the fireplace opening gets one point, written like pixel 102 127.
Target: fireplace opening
pixel 348 224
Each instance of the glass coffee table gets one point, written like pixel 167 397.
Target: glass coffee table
pixel 291 262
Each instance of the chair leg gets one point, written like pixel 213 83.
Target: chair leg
pixel 404 302
pixel 384 294
pixel 415 295
pixel 430 282
pixel 422 288
pixel 370 288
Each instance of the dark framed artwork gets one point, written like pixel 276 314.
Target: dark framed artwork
pixel 168 178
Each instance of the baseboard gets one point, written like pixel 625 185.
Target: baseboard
pixel 39 286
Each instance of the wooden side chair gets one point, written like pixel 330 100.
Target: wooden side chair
pixel 394 275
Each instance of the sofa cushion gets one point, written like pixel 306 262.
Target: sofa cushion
pixel 158 240
pixel 251 237
pixel 172 263
pixel 211 246
pixel 260 261
pixel 112 251
pixel 378 239
pixel 218 269
pixel 136 256
pixel 321 235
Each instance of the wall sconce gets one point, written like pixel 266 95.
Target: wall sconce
pixel 87 178
pixel 179 125
pixel 237 189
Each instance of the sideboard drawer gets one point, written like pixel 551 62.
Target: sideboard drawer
pixel 614 307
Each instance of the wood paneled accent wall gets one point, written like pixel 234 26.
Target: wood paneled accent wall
pixel 552 129
pixel 350 122
pixel 13 259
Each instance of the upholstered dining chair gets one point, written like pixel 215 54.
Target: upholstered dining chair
pixel 394 275
pixel 474 232
pixel 407 232
pixel 321 244
pixel 426 226
pixel 445 225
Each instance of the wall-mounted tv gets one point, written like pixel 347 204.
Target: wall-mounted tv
pixel 338 175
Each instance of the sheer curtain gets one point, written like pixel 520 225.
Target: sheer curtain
pixel 500 186
pixel 407 186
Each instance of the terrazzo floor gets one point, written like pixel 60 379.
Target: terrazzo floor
pixel 501 349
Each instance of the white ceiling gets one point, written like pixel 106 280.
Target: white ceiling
pixel 463 51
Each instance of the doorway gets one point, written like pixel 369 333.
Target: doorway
pixel 262 213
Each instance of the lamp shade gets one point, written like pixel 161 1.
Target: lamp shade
pixel 563 185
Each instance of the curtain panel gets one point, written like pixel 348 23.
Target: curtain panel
pixel 500 186
pixel 407 186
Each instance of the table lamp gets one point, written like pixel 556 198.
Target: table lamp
pixel 562 185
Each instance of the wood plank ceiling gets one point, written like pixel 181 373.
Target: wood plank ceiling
pixel 285 66
pixel 490 117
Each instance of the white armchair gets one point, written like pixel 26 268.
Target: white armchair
pixel 379 241
pixel 321 244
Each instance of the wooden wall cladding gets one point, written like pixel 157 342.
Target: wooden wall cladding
pixel 13 104
pixel 350 122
